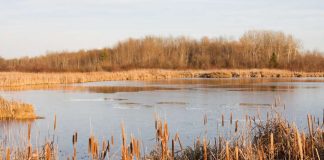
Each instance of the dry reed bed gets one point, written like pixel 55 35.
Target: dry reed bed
pixel 271 139
pixel 22 78
pixel 274 138
pixel 16 110
pixel 25 150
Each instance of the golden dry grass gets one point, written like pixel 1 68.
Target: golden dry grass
pixel 22 78
pixel 16 110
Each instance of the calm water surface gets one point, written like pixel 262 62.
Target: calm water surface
pixel 100 107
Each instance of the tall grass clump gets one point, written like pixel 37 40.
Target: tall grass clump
pixel 23 149
pixel 16 110
pixel 274 138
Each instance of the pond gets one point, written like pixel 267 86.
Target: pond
pixel 101 107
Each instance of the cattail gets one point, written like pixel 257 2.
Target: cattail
pixel 47 152
pixel 310 126
pixel 138 152
pixel 231 118
pixel 29 151
pixel 123 135
pixel 112 140
pixel 205 149
pixel 54 121
pixel 124 148
pixel 73 139
pixel 29 132
pixel 135 147
pixel 131 148
pixel 160 129
pixel 166 131
pixel 8 154
pixel 236 125
pixel 94 148
pixel 236 153
pixel 108 146
pixel 172 149
pixel 223 120
pixel 303 141
pixel 76 137
pixel 271 146
pixel 205 119
pixel 90 144
pixel 300 147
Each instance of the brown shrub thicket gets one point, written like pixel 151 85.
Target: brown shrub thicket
pixel 255 49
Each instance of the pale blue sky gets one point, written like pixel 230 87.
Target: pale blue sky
pixel 34 27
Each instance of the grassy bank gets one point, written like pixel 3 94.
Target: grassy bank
pixel 273 138
pixel 23 78
pixel 16 110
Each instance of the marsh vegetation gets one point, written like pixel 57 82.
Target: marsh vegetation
pixel 253 138
pixel 10 109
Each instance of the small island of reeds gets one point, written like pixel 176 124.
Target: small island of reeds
pixel 14 110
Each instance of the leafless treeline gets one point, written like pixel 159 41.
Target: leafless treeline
pixel 255 49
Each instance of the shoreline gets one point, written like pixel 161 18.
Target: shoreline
pixel 8 79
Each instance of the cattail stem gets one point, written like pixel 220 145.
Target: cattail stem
pixel 48 154
pixel 300 146
pixel 205 119
pixel 310 126
pixel 205 149
pixel 8 154
pixel 231 118
pixel 271 146
pixel 172 149
pixel 227 152
pixel 236 153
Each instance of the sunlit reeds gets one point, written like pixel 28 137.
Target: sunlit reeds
pixel 273 138
pixel 16 110
pixel 14 79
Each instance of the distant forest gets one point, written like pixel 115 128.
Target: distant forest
pixel 254 49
